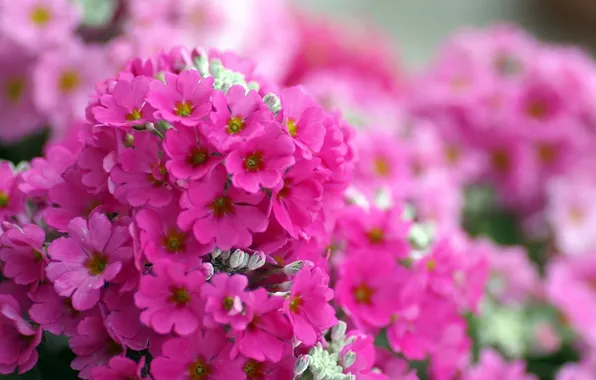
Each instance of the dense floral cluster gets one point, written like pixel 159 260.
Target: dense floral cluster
pixel 192 218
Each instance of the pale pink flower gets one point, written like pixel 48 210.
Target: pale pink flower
pixel 125 106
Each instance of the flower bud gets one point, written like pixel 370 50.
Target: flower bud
pixel 224 255
pixel 272 102
pixel 215 253
pixel 349 359
pixel 256 261
pixel 293 268
pixel 208 270
pixel 237 259
pixel 338 331
pixel 301 364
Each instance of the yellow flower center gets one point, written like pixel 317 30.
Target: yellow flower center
pixel 68 81
pixel 254 369
pixel 431 265
pixel 134 115
pixel 96 264
pixel 537 109
pixel 222 206
pixel 183 109
pixel 228 303
pixel 199 370
pixel 382 167
pixel 179 296
pixel 375 235
pixel 198 156
pixel 235 125
pixel 4 199
pixel 363 294
pixel 547 153
pixel 37 256
pixel 174 241
pixel 292 127
pixel 254 162
pixel 295 304
pixel 500 160
pixel 14 89
pixel 41 15
pixel 452 154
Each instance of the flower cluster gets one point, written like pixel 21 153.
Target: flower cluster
pixel 525 109
pixel 188 225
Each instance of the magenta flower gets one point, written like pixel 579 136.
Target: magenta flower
pixel 100 154
pixel 119 368
pixel 11 197
pixel 224 216
pixel 363 346
pixel 46 172
pixel 203 355
pixel 297 201
pixel 261 161
pixel 225 301
pixel 491 366
pixel 162 239
pixel 21 250
pixel 122 320
pixel 267 336
pixel 308 307
pixel 183 98
pixel 19 338
pixel 93 345
pixel 53 312
pixel 261 370
pixel 366 289
pixel 238 116
pixel 125 106
pixel 93 253
pixel 191 155
pixel 141 177
pixel 384 230
pixel 171 300
pixel 42 23
pixel 73 199
pixel 303 119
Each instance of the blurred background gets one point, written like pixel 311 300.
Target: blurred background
pixel 418 26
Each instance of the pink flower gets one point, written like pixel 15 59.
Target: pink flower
pixel 125 106
pixel 308 307
pixel 238 116
pixel 100 155
pixel 395 367
pixel 204 355
pixel 46 172
pixel 122 320
pixel 12 200
pixel 64 78
pixel 260 370
pixel 297 201
pixel 53 312
pixel 141 177
pixel 382 163
pixel 366 289
pixel 19 338
pixel 225 301
pixel 93 253
pixel 183 98
pixel 261 161
pixel 363 346
pixel 119 368
pixel 385 230
pixel 23 255
pixel 161 238
pixel 93 346
pixel 42 23
pixel 492 367
pixel 171 300
pixel 216 214
pixel 303 119
pixel 191 154
pixel 72 199
pixel 268 333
